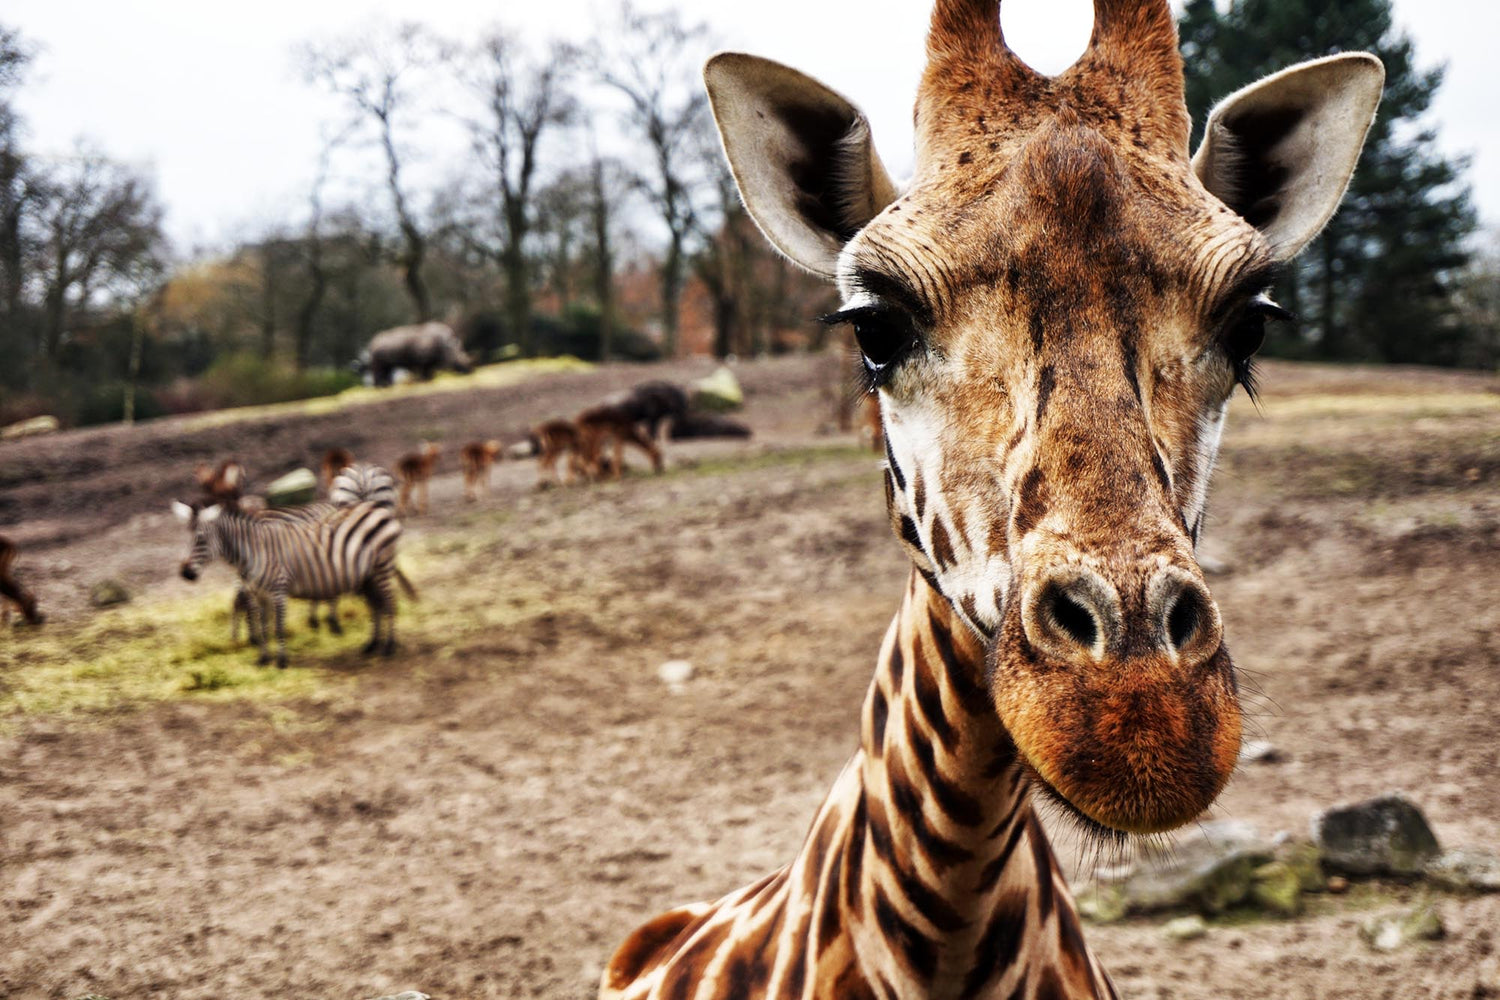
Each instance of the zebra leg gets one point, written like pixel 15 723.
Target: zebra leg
pixel 259 632
pixel 278 600
pixel 312 615
pixel 334 625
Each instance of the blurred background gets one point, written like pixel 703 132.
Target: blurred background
pixel 617 697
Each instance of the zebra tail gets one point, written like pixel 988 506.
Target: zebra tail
pixel 406 586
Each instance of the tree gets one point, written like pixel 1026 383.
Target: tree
pixel 524 98
pixel 1380 282
pixel 99 226
pixel 608 187
pixel 374 75
pixel 653 60
pixel 16 187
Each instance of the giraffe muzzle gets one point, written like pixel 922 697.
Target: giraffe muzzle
pixel 1125 708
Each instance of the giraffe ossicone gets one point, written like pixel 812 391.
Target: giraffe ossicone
pixel 1054 312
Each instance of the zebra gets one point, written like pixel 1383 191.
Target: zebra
pixel 352 484
pixel 352 550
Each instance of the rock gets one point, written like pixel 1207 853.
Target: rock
pixel 1213 566
pixel 1465 869
pixel 1338 885
pixel 408 995
pixel 1390 932
pixel 1384 836
pixel 297 487
pixel 1102 904
pixel 1209 872
pixel 1188 928
pixel 1259 752
pixel 720 391
pixel 675 672
pixel 106 593
pixel 1276 889
pixel 1306 861
pixel 29 428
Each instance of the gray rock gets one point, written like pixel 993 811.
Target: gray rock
pixel 1465 869
pixel 1384 836
pixel 1209 871
pixel 408 995
pixel 1102 904
pixel 1188 928
pixel 675 673
pixel 107 593
pixel 1396 930
pixel 296 487
pixel 29 428
pixel 1306 861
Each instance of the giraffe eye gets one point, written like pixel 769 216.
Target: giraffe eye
pixel 1246 334
pixel 885 337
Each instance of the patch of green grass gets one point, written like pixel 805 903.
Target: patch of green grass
pixel 496 376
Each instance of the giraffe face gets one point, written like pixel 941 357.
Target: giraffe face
pixel 1055 312
pixel 1052 415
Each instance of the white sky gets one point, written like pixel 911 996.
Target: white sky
pixel 207 94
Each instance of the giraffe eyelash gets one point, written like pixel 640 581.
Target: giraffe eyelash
pixel 886 337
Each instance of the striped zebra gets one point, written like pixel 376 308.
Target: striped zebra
pixel 352 550
pixel 352 484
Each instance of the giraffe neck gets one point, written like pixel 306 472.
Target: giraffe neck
pixel 925 872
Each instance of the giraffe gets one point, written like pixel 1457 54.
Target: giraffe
pixel 1053 312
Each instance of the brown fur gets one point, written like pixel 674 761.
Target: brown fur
pixel 413 470
pixel 11 592
pixel 223 483
pixel 476 458
pixel 552 440
pixel 614 424
pixel 335 460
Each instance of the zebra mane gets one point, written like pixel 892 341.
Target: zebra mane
pixel 363 483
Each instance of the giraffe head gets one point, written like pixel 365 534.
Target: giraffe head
pixel 1055 311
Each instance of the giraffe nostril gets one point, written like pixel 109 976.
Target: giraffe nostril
pixel 1070 617
pixel 1182 621
pixel 1187 622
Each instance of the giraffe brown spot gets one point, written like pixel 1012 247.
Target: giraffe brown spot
pixel 1041 857
pixel 830 921
pixel 648 946
pixel 854 856
pixel 957 804
pixel 1049 986
pixel 879 708
pixel 1046 382
pixel 687 968
pixel 1000 945
pixel 971 694
pixel 940 851
pixel 909 534
pixel 966 157
pixel 989 876
pixel 1031 505
pixel 918 951
pixel 942 547
pixel 894 466
pixel 930 698
pixel 919 498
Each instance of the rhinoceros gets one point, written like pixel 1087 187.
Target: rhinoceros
pixel 421 349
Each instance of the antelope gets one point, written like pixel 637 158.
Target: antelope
pixel 1053 312
pixel 613 423
pixel 335 460
pixel 477 457
pixel 223 483
pixel 551 441
pixel 11 592
pixel 414 470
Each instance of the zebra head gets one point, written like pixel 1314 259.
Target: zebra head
pixel 205 540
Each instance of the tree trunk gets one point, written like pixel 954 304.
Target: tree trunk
pixel 1332 340
pixel 133 367
pixel 671 295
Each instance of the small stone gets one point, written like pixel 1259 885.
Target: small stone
pixel 28 428
pixel 1259 752
pixel 1209 872
pixel 720 391
pixel 1307 862
pixel 1384 836
pixel 1392 931
pixel 408 995
pixel 1338 885
pixel 1103 904
pixel 675 672
pixel 1277 889
pixel 1213 566
pixel 297 487
pixel 107 593
pixel 1465 869
pixel 1188 928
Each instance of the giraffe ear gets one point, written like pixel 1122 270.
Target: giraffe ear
pixel 1281 151
pixel 801 155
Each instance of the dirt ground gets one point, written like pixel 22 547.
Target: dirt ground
pixel 487 814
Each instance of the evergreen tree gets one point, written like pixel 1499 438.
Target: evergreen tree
pixel 1380 283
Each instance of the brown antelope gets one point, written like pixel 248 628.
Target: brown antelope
pixel 617 424
pixel 223 483
pixel 335 460
pixel 551 441
pixel 477 457
pixel 414 470
pixel 1054 313
pixel 11 592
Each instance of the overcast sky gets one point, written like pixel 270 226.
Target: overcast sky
pixel 208 97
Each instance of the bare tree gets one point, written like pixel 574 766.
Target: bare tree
pixel 99 224
pixel 608 187
pixel 562 212
pixel 524 98
pixel 652 60
pixel 16 187
pixel 374 75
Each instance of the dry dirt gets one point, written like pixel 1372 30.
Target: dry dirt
pixel 489 813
